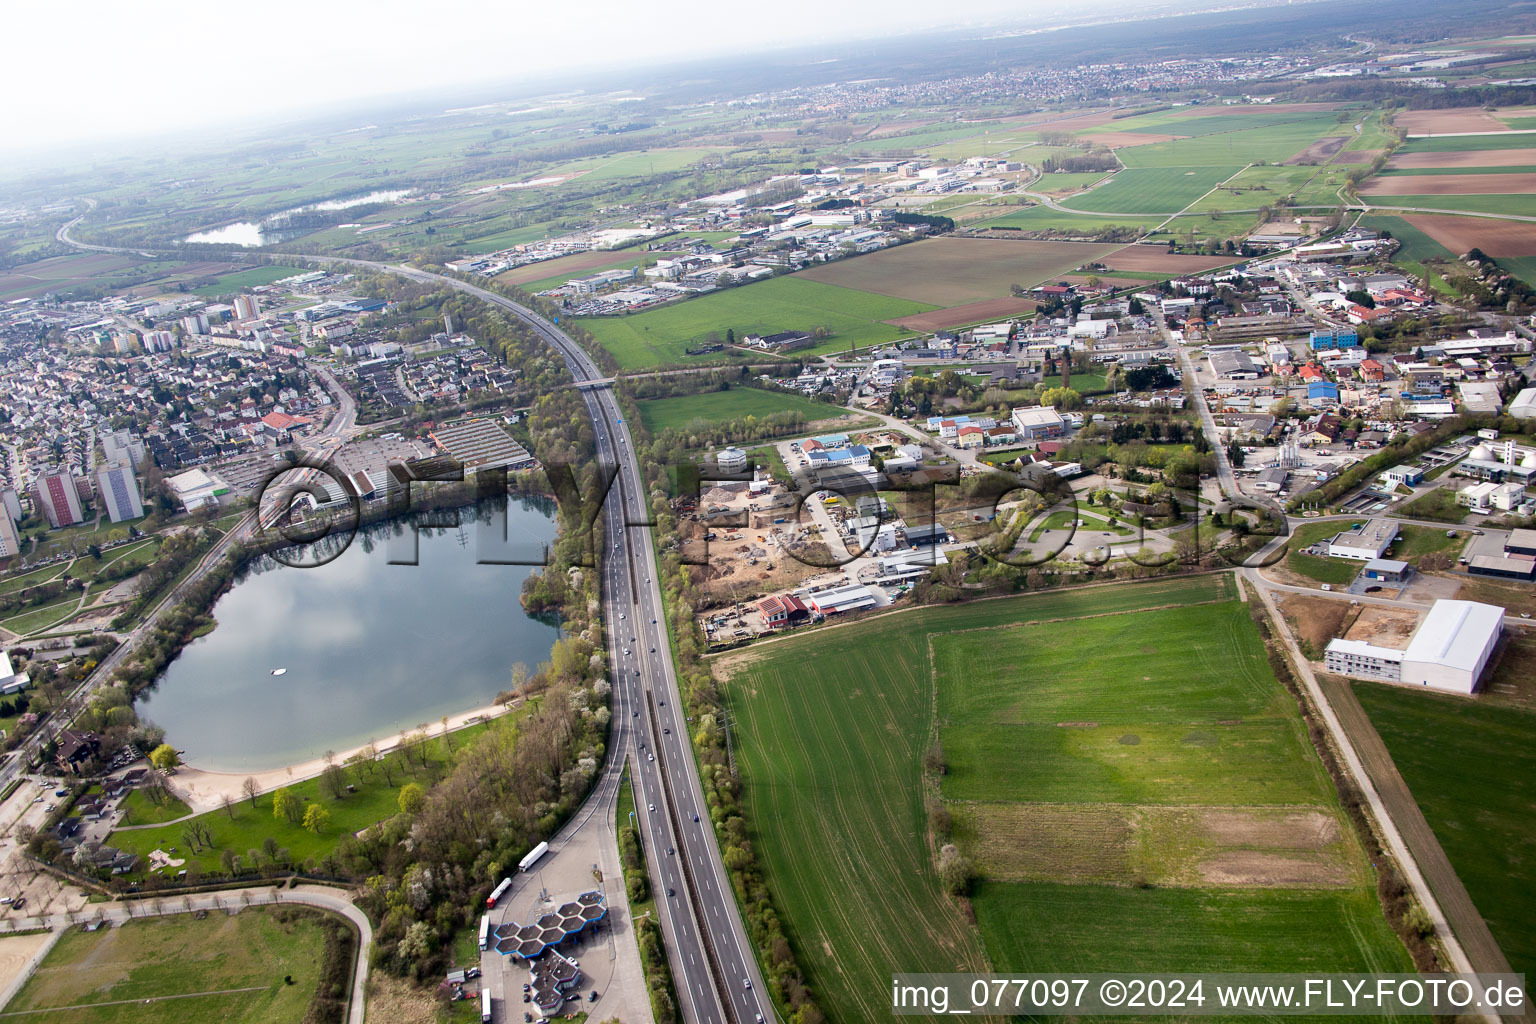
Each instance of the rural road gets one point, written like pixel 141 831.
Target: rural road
pixel 224 900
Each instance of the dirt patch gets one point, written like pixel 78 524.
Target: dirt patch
pixel 392 1000
pixel 1466 158
pixel 1257 869
pixel 1155 259
pixel 15 952
pixel 1315 619
pixel 1125 140
pixel 1357 156
pixel 1452 119
pixel 1077 725
pixel 1384 627
pixel 1450 184
pixel 1460 234
pixel 971 312
pixel 1320 151
pixel 1295 830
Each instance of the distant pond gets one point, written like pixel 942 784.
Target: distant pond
pixel 367 648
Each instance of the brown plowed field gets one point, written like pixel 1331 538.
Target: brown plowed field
pixel 1453 119
pixel 1466 158
pixel 1320 150
pixel 953 271
pixel 1449 184
pixel 1494 237
pixel 970 313
pixel 1155 259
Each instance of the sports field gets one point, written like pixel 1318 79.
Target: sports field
pixel 1461 758
pixel 719 406
pixel 955 271
pixel 657 336
pixel 179 970
pixel 1047 705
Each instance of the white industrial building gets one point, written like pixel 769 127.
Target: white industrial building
pixel 1366 541
pixel 11 681
pixel 1523 406
pixel 731 460
pixel 1449 650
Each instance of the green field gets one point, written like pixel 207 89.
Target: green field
pixel 1043 218
pixel 831 726
pixel 247 279
pixel 1416 245
pixel 1523 267
pixel 1469 143
pixel 1248 139
pixel 139 809
pixel 1154 189
pixel 718 406
pixel 179 970
pixel 1103 928
pixel 1461 759
pixel 1518 205
pixel 663 335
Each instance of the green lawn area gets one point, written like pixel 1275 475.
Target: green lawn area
pixel 247 279
pixel 1438 504
pixel 1164 190
pixel 717 406
pixel 1110 674
pixel 1093 383
pixel 244 828
pixel 830 728
pixel 661 336
pixel 1335 571
pixel 11 584
pixel 139 809
pixel 1417 172
pixel 38 619
pixel 1414 542
pixel 1042 926
pixel 225 968
pixel 1461 759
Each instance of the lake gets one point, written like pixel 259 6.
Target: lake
pixel 370 648
pixel 252 233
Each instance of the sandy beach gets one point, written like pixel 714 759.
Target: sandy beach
pixel 204 790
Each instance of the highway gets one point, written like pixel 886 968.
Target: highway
pixel 716 973
pixel 717 976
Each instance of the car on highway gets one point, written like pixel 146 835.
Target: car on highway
pixel 671 892
pixel 650 757
pixel 653 808
pixel 626 652
pixel 746 983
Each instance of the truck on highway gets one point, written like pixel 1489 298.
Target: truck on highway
pixel 534 854
pixel 498 892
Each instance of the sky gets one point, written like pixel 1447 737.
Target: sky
pixel 99 70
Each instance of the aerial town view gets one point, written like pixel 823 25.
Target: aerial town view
pixel 805 514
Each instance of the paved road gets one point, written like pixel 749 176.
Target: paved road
pixel 1468 944
pixel 225 900
pixel 717 974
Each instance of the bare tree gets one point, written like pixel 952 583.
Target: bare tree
pixel 249 788
pixel 228 805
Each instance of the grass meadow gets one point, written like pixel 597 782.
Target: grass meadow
pixel 830 729
pixel 660 336
pixel 1165 190
pixel 179 970
pixel 717 406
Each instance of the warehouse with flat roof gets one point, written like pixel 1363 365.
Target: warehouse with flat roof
pixel 1449 651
